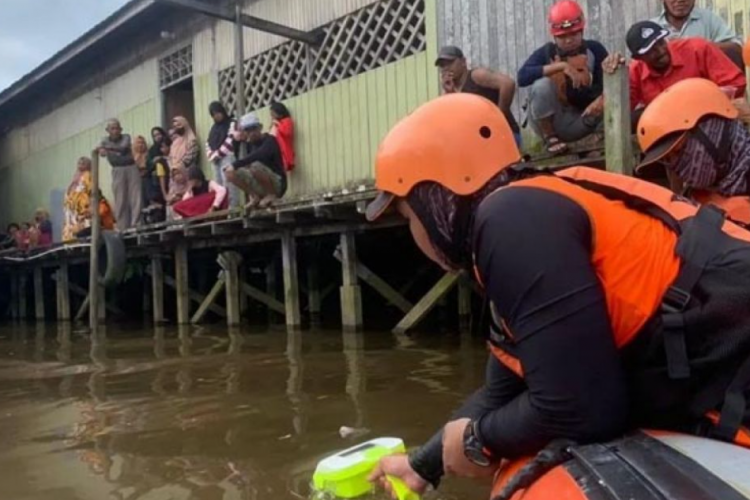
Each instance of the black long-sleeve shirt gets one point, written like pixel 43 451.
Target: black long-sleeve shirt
pixel 265 151
pixel 533 253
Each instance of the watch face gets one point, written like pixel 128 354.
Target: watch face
pixel 477 457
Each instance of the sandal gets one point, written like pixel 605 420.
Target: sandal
pixel 555 146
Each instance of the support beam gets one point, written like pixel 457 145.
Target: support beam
pixel 269 301
pixel 193 295
pixel 38 294
pixel 78 290
pixel 157 289
pixel 379 285
pixel 210 299
pixel 230 263
pixel 63 293
pixel 464 299
pixel 23 309
pixel 253 22
pixel 428 302
pixel 15 312
pixel 272 289
pixel 314 297
pixel 617 123
pixel 181 282
pixel 351 293
pixel 291 281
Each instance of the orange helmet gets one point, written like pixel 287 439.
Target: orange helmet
pixel 667 120
pixel 746 52
pixel 459 141
pixel 566 17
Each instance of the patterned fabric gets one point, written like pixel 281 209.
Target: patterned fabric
pixel 699 170
pixel 77 208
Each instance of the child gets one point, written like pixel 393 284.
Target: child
pixel 283 129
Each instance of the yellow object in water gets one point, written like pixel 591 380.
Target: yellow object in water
pixel 345 474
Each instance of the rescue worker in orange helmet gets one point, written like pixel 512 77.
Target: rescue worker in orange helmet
pixel 615 304
pixel 701 143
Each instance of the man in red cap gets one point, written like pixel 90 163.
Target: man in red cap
pixel 566 80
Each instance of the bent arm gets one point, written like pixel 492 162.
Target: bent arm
pixel 496 80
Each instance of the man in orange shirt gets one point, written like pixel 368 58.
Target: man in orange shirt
pixel 658 64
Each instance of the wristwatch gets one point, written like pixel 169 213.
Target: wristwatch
pixel 473 449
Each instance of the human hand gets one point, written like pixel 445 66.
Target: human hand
pixel 454 458
pixel 578 77
pixel 398 466
pixel 612 63
pixel 596 108
pixel 449 82
pixel 102 151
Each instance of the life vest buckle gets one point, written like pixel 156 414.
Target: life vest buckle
pixel 675 300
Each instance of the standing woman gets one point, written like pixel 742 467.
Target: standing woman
pixel 184 151
pixel 77 204
pixel 140 155
pixel 283 129
pixel 220 148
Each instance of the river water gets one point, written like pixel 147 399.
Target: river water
pixel 211 414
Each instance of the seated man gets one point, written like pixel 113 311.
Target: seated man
pixel 497 87
pixel 565 103
pixel 684 20
pixel 260 174
pixel 658 64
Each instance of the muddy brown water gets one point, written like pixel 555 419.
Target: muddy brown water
pixel 212 414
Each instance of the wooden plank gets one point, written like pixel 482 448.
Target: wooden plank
pixel 291 280
pixel 38 294
pixel 230 263
pixel 427 303
pixel 157 289
pixel 378 284
pixel 205 306
pixel 617 125
pixel 63 293
pixel 351 293
pixel 182 285
pixel 269 301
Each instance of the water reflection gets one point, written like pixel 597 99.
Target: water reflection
pixel 189 413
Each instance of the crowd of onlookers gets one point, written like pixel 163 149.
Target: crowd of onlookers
pixel 29 235
pixel 565 77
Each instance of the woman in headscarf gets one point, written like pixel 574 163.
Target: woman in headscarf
pixel 43 225
pixel 702 144
pixel 77 204
pixel 184 150
pixel 140 156
pixel 283 129
pixel 220 148
pixel 157 177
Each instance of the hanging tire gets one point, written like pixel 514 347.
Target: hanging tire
pixel 112 259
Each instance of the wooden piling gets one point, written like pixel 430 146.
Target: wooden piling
pixel 157 288
pixel 314 297
pixel 96 306
pixel 182 285
pixel 205 306
pixel 23 309
pixel 14 295
pixel 63 293
pixel 230 263
pixel 351 293
pixel 291 280
pixel 272 288
pixel 428 302
pixel 617 123
pixel 38 294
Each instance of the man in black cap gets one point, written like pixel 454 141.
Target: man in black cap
pixel 497 87
pixel 658 64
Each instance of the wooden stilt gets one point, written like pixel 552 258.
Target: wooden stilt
pixel 314 297
pixel 63 293
pixel 181 280
pixel 157 288
pixel 272 288
pixel 14 296
pixel 102 304
pixel 194 296
pixel 210 299
pixel 427 303
pixel 38 294
pixel 378 284
pixel 617 123
pixel 23 310
pixel 230 263
pixel 464 303
pixel 291 280
pixel 351 293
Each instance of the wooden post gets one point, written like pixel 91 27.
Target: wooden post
pixel 14 295
pixel 239 65
pixel 23 309
pixel 429 301
pixel 182 285
pixel 230 262
pixel 38 294
pixel 94 288
pixel 464 303
pixel 291 280
pixel 314 297
pixel 63 293
pixel 272 288
pixel 157 288
pixel 351 293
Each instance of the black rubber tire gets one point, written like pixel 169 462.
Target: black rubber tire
pixel 112 259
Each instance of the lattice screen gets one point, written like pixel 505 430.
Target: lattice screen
pixel 176 66
pixel 379 34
